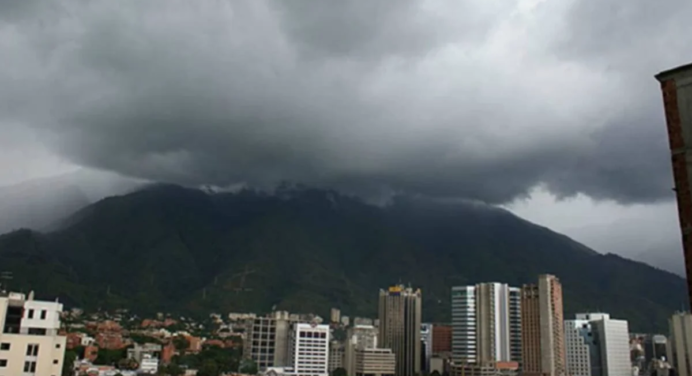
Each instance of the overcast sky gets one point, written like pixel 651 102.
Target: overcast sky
pixel 547 107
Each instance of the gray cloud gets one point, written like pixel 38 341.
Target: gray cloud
pixel 483 100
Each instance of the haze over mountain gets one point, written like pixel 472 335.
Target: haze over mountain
pixel 39 203
pixel 168 247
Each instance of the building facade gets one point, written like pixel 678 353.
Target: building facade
pixel 680 343
pixel 267 340
pixel 310 350
pixel 358 338
pixel 337 353
pixel 442 339
pixel 375 362
pixel 579 346
pixel 400 326
pixel 426 335
pixel 542 327
pixel 613 340
pixel 676 87
pixel 29 340
pixel 486 324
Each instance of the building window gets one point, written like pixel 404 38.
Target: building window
pixel 55 361
pixel 30 367
pixel 30 314
pixel 57 345
pixel 4 346
pixel 43 314
pixel 37 331
pixel 32 350
pixel 3 363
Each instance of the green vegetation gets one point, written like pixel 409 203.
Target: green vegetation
pixel 248 366
pixel 177 250
pixel 110 357
pixel 339 372
pixel 68 362
pixel 211 361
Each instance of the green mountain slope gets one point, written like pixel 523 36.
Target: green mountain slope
pixel 170 248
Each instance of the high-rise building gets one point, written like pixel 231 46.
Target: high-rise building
pixel 580 350
pixel 337 352
pixel 612 337
pixel 375 362
pixel 29 340
pixel 359 337
pixel 486 323
pixel 267 340
pixel 400 324
pixel 442 339
pixel 680 343
pixel 597 345
pixel 309 347
pixel 542 329
pixel 426 335
pixel 335 316
pixel 676 87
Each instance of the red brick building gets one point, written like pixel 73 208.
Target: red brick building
pixel 676 87
pixel 442 339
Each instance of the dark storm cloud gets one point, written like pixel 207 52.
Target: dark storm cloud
pixel 438 98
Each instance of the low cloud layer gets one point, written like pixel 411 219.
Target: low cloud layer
pixel 480 99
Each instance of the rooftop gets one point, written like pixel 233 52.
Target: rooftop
pixel 671 73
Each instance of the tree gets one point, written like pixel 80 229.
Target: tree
pixel 171 370
pixel 181 343
pixel 68 363
pixel 248 366
pixel 208 368
pixel 128 364
pixel 435 373
pixel 339 372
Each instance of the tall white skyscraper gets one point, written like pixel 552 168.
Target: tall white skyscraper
pixel 596 345
pixel 486 324
pixel 614 341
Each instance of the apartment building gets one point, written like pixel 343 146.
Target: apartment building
pixel 267 339
pixel 542 327
pixel 486 323
pixel 442 339
pixel 375 362
pixel 310 348
pixel 337 352
pixel 357 338
pixel 29 340
pixel 680 343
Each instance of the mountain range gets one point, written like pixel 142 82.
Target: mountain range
pixel 167 247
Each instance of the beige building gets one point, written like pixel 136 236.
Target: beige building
pixel 400 323
pixel 680 343
pixel 542 328
pixel 337 351
pixel 29 340
pixel 375 362
pixel 266 340
pixel 358 338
